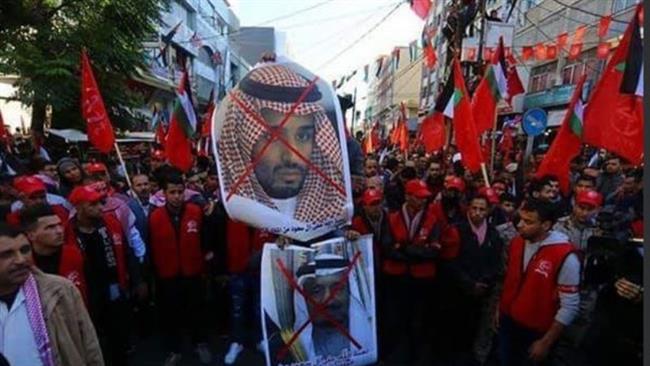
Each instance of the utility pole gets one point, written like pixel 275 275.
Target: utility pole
pixel 481 40
pixel 354 111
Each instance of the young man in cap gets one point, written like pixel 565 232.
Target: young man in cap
pixel 177 250
pixel 100 238
pixel 31 192
pixel 540 292
pixel 581 224
pixel 42 317
pixel 409 267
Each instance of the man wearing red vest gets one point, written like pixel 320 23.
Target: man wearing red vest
pixel 373 219
pixel 101 241
pixel 540 292
pixel 409 270
pixel 179 262
pixel 45 230
pixel 243 260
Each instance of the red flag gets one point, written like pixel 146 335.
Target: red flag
pixel 404 137
pixel 551 52
pixel 575 51
pixel 421 8
pixel 492 88
pixel 562 40
pixel 432 132
pixel 430 56
pixel 567 143
pixel 161 135
pixel 98 126
pixel 464 127
pixel 182 126
pixel 603 50
pixel 206 125
pixel 614 117
pixel 506 144
pixel 540 52
pixel 579 35
pixel 527 53
pixel 515 86
pixel 603 25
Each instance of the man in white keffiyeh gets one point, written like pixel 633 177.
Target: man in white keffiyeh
pixel 309 190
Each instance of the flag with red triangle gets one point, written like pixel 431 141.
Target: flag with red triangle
pixel 182 127
pixel 98 126
pixel 567 143
pixel 459 110
pixel 614 118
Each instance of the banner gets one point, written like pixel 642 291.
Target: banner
pixel 280 144
pixel 318 304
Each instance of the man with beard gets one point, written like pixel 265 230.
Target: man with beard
pixel 70 175
pixel 611 177
pixel 435 178
pixel 452 197
pixel 371 167
pixel 43 320
pixel 540 292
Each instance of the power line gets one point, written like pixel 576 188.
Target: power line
pixel 316 22
pixel 364 35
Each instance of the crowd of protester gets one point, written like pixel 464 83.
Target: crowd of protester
pixel 466 274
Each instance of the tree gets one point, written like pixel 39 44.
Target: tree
pixel 41 42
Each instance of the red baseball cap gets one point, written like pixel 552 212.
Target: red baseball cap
pixel 589 197
pixel 372 197
pixel 417 188
pixel 83 194
pixel 29 185
pixel 490 194
pixel 93 168
pixel 453 182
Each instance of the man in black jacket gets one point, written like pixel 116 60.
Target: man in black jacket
pixel 474 274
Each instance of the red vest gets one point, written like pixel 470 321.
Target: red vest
pixel 177 253
pixel 243 241
pixel 400 233
pixel 72 266
pixel 531 298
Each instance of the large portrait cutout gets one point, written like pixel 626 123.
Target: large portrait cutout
pixel 318 304
pixel 281 154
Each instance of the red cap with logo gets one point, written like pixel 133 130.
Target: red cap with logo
pixel 93 168
pixel 86 193
pixel 490 194
pixel 454 182
pixel 29 185
pixel 589 197
pixel 372 197
pixel 417 188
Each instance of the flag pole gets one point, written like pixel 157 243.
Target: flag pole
pixel 126 172
pixel 494 144
pixel 485 175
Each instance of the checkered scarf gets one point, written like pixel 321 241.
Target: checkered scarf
pixel 318 200
pixel 37 321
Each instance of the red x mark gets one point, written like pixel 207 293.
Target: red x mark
pixel 320 308
pixel 276 135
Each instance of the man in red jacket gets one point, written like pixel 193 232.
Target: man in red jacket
pixel 179 262
pixel 540 292
pixel 32 191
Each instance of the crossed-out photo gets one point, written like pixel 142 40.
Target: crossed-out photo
pixel 281 153
pixel 318 304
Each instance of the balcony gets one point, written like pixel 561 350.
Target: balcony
pixel 555 96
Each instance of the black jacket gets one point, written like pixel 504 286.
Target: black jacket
pixel 476 263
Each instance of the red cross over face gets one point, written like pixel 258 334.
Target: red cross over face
pixel 281 158
pixel 327 302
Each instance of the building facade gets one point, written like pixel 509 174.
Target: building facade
pixel 551 83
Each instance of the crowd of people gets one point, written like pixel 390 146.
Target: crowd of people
pixel 468 272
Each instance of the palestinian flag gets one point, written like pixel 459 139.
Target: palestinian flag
pixel 614 117
pixel 182 127
pixel 567 143
pixel 492 88
pixel 458 108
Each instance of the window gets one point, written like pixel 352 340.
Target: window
pixel 620 5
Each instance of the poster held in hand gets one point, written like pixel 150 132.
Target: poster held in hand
pixel 318 304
